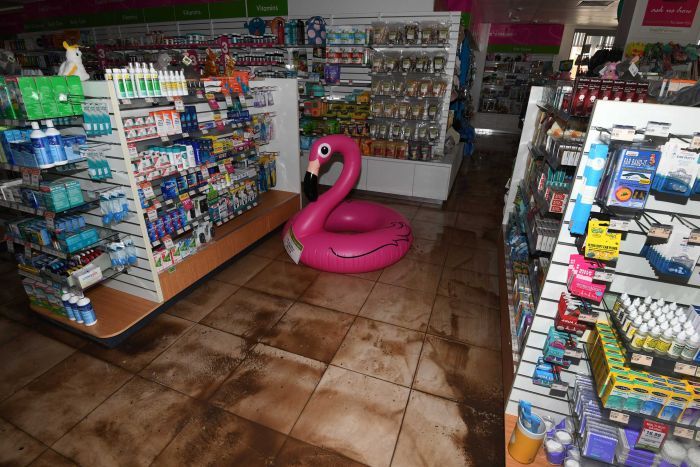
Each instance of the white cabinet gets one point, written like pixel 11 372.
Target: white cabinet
pixel 390 176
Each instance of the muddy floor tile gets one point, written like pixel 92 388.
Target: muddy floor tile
pixel 467 374
pixel 248 313
pixel 467 322
pixel 216 437
pixel 129 428
pixel 338 292
pixel 53 403
pixel 199 362
pixel 297 453
pixel 381 350
pixel 355 415
pixel 140 349
pixel 17 447
pixel 413 275
pixel 283 279
pixel 202 300
pixel 397 305
pixel 270 387
pixel 242 269
pixel 51 458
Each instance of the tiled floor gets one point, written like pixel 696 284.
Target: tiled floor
pixel 270 363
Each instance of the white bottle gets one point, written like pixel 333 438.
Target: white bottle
pixel 691 347
pixel 629 318
pixel 174 86
pixel 134 82
pixel 128 84
pixel 164 85
pixel 663 344
pixel 678 345
pixel 648 300
pixel 40 147
pixel 640 337
pixel 632 330
pixel 56 149
pixel 652 339
pixel 183 83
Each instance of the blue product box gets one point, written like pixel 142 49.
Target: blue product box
pixel 75 193
pixel 89 236
pixel 56 198
pixel 631 178
pixel 73 242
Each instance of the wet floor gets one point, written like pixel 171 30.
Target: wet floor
pixel 270 363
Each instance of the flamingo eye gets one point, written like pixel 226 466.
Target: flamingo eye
pixel 324 150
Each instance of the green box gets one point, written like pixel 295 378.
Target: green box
pixel 75 194
pixel 75 88
pixel 6 109
pixel 61 93
pixel 56 198
pixel 48 102
pixel 28 98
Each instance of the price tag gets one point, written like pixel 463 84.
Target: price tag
pixel 685 369
pixel 681 432
pixel 204 131
pixel 619 225
pixel 644 360
pixel 88 278
pixel 50 220
pixel 694 237
pixel 126 101
pixel 573 353
pixel 167 242
pixel 695 142
pixel 205 173
pixel 652 436
pixel 588 318
pixel 152 214
pixel 293 246
pixel 662 232
pixel 179 105
pixel 619 417
pixel 602 275
pixel 165 139
pixel 622 133
pixel 658 129
pixel 149 100
pixel 185 134
pixel 560 387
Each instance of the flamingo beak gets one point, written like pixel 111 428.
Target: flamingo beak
pixel 311 180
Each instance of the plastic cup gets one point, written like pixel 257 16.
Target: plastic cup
pixel 525 444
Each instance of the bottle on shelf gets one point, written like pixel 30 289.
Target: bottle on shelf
pixel 155 82
pixel 640 337
pixel 678 344
pixel 652 339
pixel 691 347
pixel 134 84
pixel 55 141
pixel 40 147
pixel 633 327
pixel 663 344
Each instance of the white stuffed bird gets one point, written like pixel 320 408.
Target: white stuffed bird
pixel 73 65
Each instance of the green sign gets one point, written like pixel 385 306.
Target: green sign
pixel 233 9
pixel 267 7
pixel 465 19
pixel 122 17
pixel 192 12
pixel 158 15
pixel 530 49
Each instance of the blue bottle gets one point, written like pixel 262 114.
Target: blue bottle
pixel 40 146
pixel 56 149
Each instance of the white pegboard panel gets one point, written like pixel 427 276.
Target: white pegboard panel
pixel 633 273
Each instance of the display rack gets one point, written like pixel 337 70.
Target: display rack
pixel 125 300
pixel 632 274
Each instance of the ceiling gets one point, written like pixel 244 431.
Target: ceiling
pixel 548 11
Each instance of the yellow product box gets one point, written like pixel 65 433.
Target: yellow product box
pixel 607 376
pixel 602 244
pixel 656 399
pixel 638 396
pixel 616 392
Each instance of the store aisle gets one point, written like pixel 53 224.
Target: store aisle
pixel 270 363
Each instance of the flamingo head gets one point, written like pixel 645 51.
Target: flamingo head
pixel 319 154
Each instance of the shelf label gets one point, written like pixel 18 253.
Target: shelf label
pixel 639 359
pixel 681 432
pixel 50 220
pixel 87 278
pixel 658 129
pixel 559 387
pixel 152 214
pixel 602 275
pixel 695 142
pixel 685 369
pixel 694 237
pixel 619 225
pixel 588 318
pixel 167 242
pixel 179 105
pixel 619 417
pixel 573 353
pixel 126 101
pixel 622 133
pixel 165 139
pixel 652 436
pixel 662 232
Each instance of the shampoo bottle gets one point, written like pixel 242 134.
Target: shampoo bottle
pixel 53 137
pixel 149 80
pixel 40 146
pixel 134 83
pixel 155 81
pixel 128 84
pixel 183 83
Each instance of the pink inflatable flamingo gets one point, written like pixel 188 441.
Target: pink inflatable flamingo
pixel 343 236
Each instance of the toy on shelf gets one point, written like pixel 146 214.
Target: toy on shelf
pixel 256 26
pixel 210 66
pixel 573 314
pixel 163 61
pixel 316 31
pixel 73 65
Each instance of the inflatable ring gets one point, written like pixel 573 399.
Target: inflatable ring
pixel 334 235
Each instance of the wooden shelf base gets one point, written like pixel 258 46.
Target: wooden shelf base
pixel 274 208
pixel 116 312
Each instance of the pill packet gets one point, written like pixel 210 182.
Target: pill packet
pixel 411 31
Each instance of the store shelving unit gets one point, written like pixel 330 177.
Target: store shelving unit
pixel 633 274
pixel 505 84
pixel 126 299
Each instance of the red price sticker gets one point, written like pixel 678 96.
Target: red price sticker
pixel 652 436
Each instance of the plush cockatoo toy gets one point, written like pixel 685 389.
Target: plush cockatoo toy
pixel 73 65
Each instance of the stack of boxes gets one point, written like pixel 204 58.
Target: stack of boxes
pixel 40 97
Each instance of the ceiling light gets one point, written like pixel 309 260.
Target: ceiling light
pixel 595 3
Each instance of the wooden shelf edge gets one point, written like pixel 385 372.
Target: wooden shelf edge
pixel 274 208
pixel 116 312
